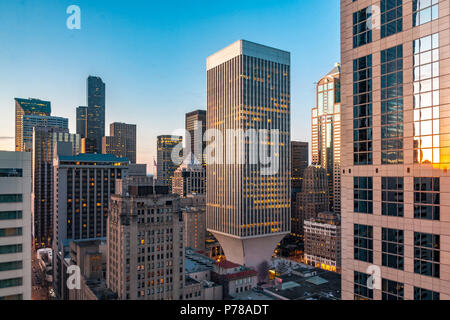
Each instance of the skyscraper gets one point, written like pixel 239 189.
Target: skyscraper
pixel 395 195
pixel 95 114
pixel 83 185
pixel 165 164
pixel 15 226
pixel 248 210
pixel 196 127
pixel 82 121
pixel 121 142
pixel 29 114
pixel 44 142
pixel 299 161
pixel 326 133
pixel 313 198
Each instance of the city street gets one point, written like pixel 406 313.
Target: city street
pixel 39 291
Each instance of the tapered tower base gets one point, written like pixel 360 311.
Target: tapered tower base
pixel 249 252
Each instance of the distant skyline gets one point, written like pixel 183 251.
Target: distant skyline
pixel 152 57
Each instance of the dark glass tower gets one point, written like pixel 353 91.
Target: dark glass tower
pixel 82 121
pixel 95 114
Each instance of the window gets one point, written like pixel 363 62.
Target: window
pixel 361 288
pixel 426 198
pixel 423 294
pixel 10 232
pixel 8 172
pixel 426 254
pixel 6 198
pixel 363 194
pixel 12 248
pixel 10 215
pixel 392 196
pixel 13 265
pixel 425 11
pixel 392 105
pixel 392 290
pixel 426 99
pixel 391 17
pixel 363 242
pixel 7 283
pixel 392 248
pixel 362 33
pixel 362 110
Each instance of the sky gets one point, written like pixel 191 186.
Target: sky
pixel 152 56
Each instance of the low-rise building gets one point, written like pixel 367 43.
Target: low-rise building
pixel 323 241
pixel 234 278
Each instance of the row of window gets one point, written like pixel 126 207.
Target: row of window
pixel 426 197
pixel 426 249
pixel 390 19
pixel 390 290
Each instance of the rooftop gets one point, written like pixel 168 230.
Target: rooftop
pixel 225 264
pixel 93 157
pixel 322 285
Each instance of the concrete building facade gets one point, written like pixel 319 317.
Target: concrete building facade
pixel 15 226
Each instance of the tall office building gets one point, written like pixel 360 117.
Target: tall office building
pixel 299 163
pixel 83 185
pixel 165 163
pixel 121 142
pixel 248 209
pixel 313 198
pixel 196 127
pixel 95 115
pixel 326 133
pixel 31 121
pixel 145 257
pixel 44 142
pixel 395 185
pixel 82 121
pixel 15 226
pixel 32 113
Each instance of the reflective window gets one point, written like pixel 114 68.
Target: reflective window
pixel 362 110
pixel 426 99
pixel 392 248
pixel 425 11
pixel 361 286
pixel 391 17
pixel 392 196
pixel 363 242
pixel 392 105
pixel 363 194
pixel 362 33
pixel 424 294
pixel 427 254
pixel 392 290
pixel 427 198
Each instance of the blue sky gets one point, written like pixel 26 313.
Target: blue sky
pixel 152 56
